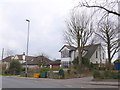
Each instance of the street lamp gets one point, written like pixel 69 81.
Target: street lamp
pixel 27 44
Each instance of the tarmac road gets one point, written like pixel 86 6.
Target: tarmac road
pixel 25 83
pixel 22 82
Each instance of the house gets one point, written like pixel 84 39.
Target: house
pixel 32 61
pixel 55 64
pixel 95 53
pixel 6 61
pixel 38 61
pixel 22 58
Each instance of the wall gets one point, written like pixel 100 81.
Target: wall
pixel 99 50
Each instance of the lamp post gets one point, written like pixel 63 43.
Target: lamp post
pixel 27 44
pixel 2 53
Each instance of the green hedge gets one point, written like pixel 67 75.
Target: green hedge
pixel 96 74
pixel 49 69
pixel 106 75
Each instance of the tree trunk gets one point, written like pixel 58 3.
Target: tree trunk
pixel 79 55
pixel 109 59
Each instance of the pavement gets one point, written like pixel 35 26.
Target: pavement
pixel 85 82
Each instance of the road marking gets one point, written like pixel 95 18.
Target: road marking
pixel 68 85
pixel 82 87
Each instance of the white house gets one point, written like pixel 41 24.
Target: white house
pixel 95 53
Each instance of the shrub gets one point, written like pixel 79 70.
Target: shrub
pixel 54 69
pixel 95 66
pixel 96 74
pixel 85 61
pixel 49 69
pixel 102 68
pixel 33 70
pixel 115 75
pixel 53 75
pixel 61 73
pixel 107 75
pixel 44 69
pixel 117 61
pixel 6 72
pixel 15 67
pixel 68 71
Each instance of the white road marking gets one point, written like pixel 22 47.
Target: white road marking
pixel 68 85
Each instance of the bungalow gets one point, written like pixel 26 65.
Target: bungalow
pixel 37 62
pixel 95 53
pixel 55 64
pixel 32 62
pixel 6 61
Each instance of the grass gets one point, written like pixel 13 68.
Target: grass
pixel 4 75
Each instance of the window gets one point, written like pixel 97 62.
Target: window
pixel 96 54
pixel 69 53
pixel 65 53
pixel 96 62
pixel 103 55
pixel 65 64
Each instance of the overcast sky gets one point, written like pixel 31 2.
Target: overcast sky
pixel 47 22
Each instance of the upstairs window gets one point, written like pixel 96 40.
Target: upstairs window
pixel 103 55
pixel 96 54
pixel 65 54
pixel 69 53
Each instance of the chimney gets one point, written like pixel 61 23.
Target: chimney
pixel 23 57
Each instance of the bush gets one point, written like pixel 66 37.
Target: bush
pixel 115 75
pixel 68 71
pixel 102 68
pixel 33 70
pixel 15 67
pixel 84 61
pixel 49 69
pixel 61 73
pixel 96 74
pixel 95 66
pixel 106 75
pixel 54 69
pixel 44 69
pixel 53 75
pixel 117 61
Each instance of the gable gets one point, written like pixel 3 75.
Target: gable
pixel 68 48
pixel 16 57
pixel 90 50
pixel 65 49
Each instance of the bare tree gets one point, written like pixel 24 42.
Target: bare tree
pixel 79 30
pixel 109 6
pixel 41 57
pixel 9 52
pixel 107 31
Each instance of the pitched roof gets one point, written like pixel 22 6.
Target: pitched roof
pixel 29 57
pixel 20 57
pixel 69 47
pixel 7 59
pixel 90 50
pixel 56 62
pixel 37 60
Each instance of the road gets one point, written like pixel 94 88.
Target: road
pixel 25 83
pixel 17 82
